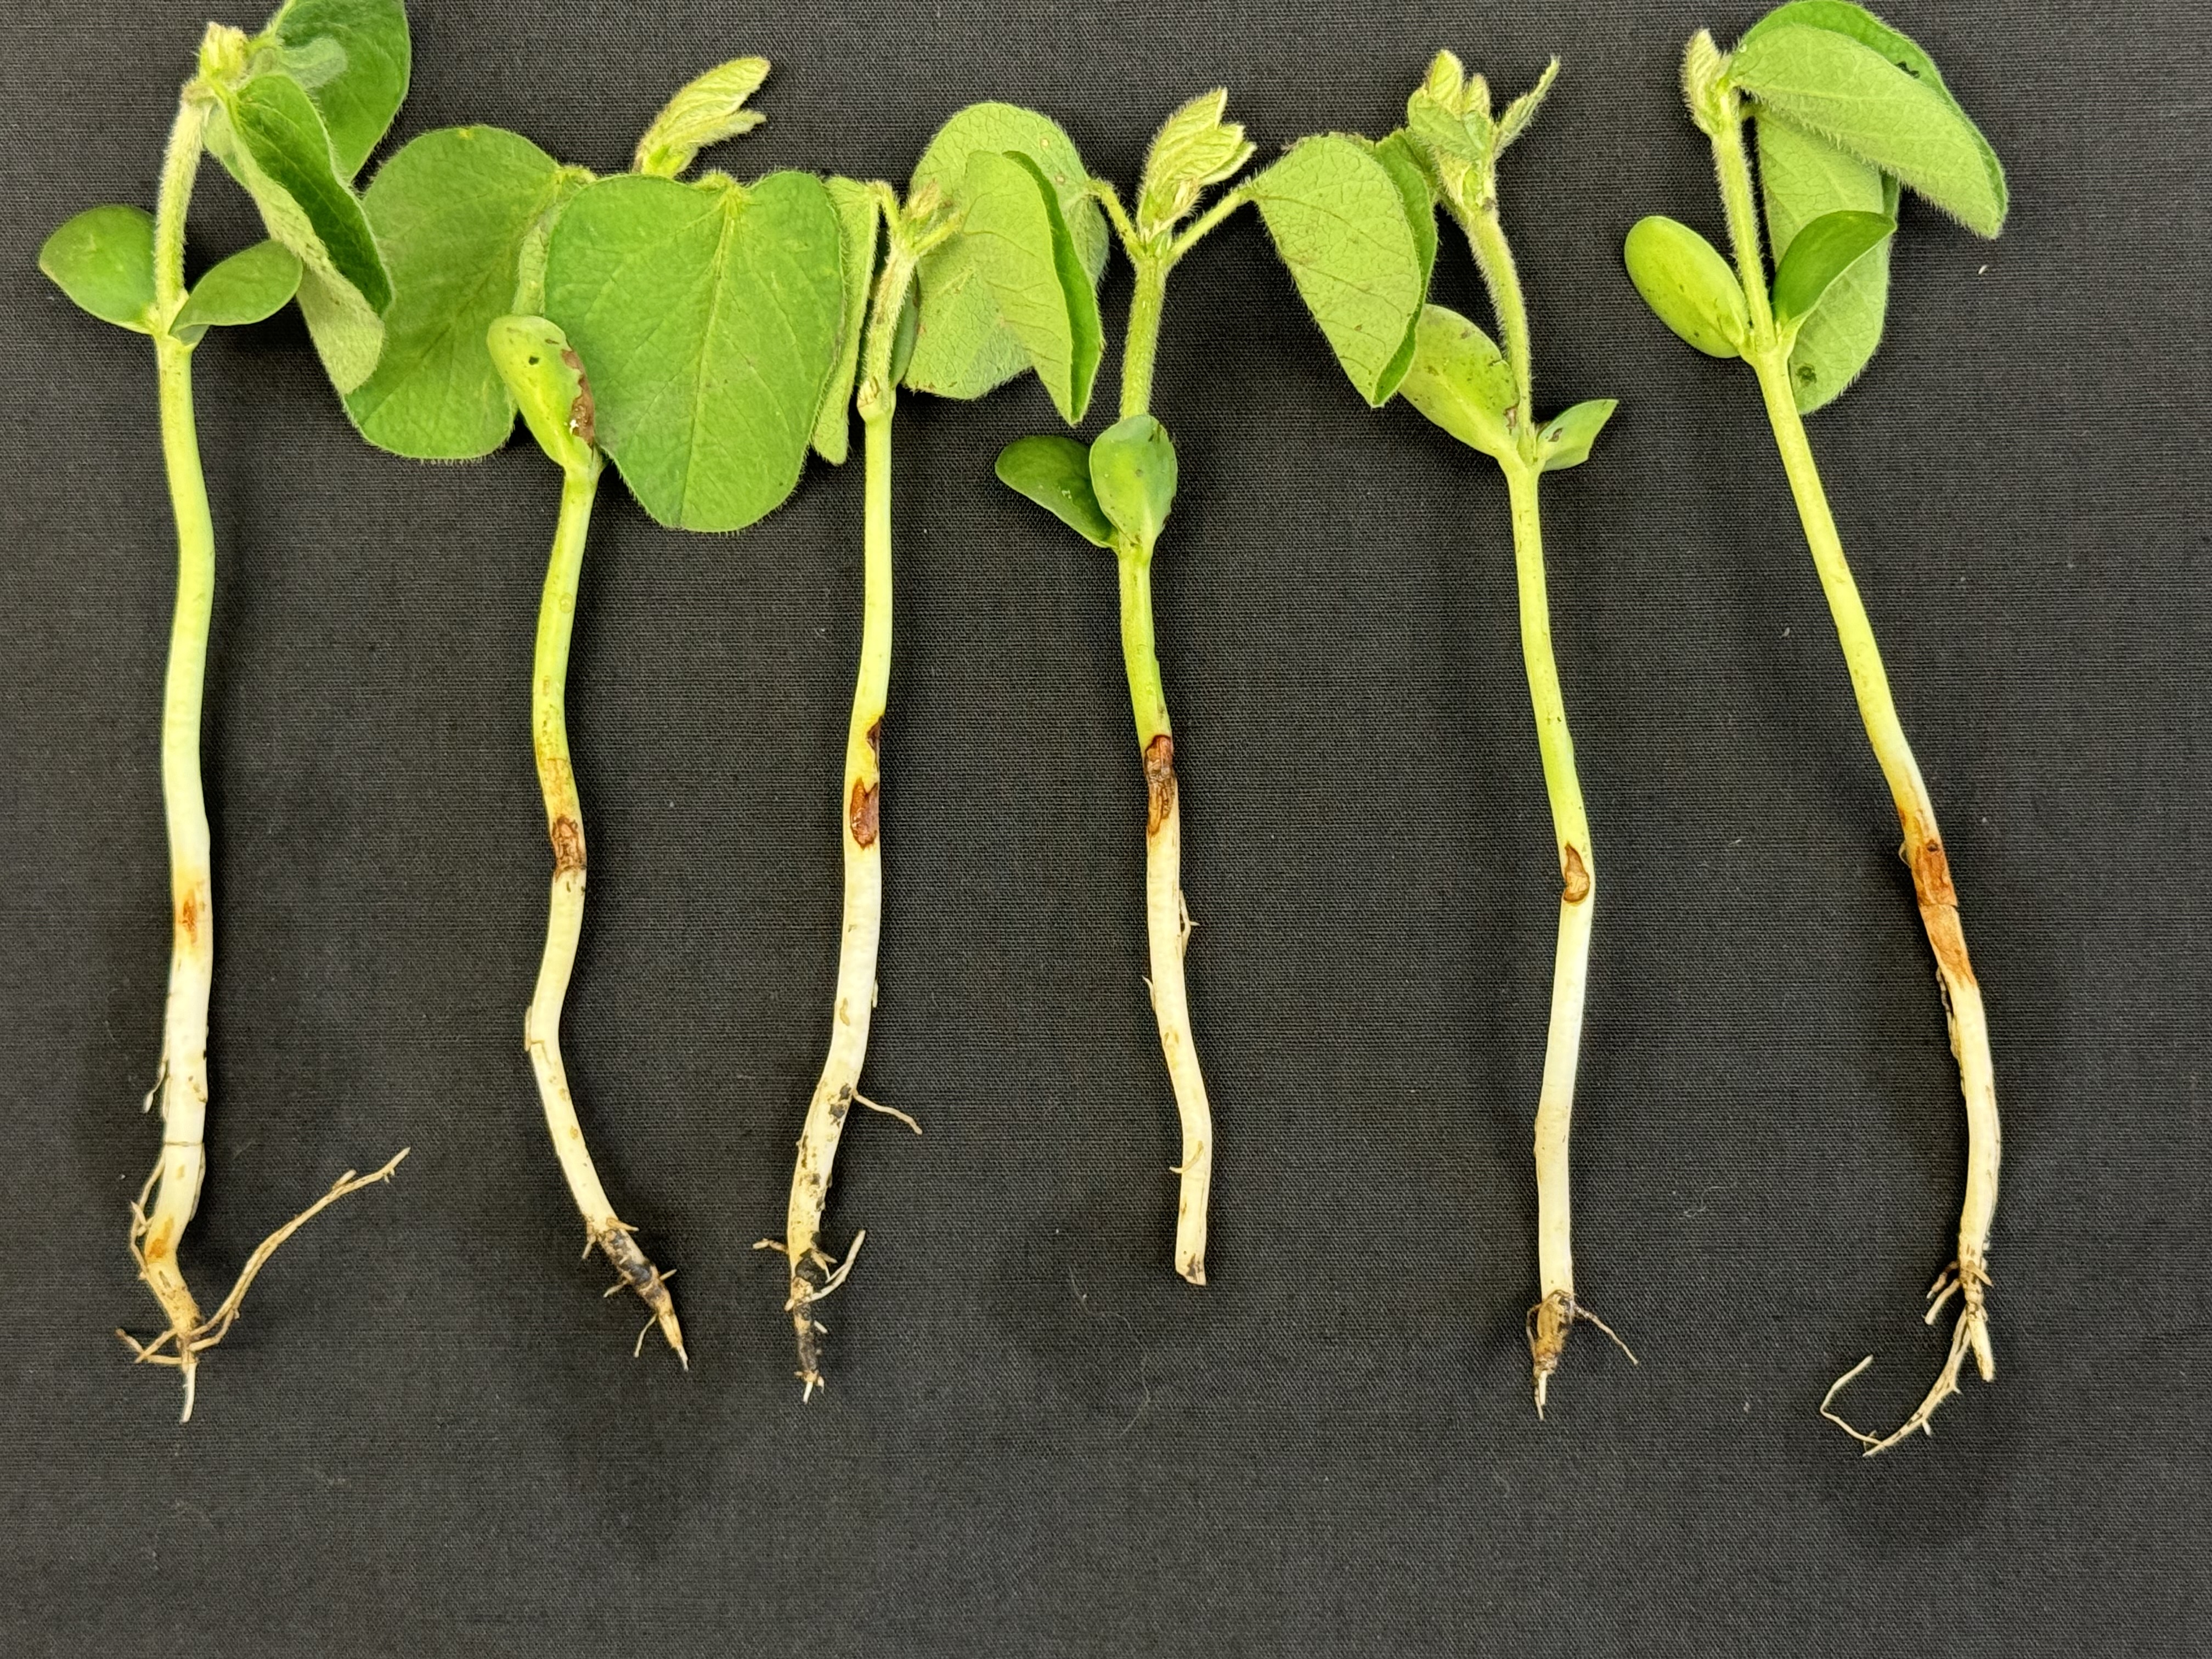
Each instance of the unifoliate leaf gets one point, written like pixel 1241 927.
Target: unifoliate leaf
pixel 103 259
pixel 1522 110
pixel 1861 25
pixel 244 288
pixel 962 348
pixel 709 316
pixel 1193 148
pixel 1802 178
pixel 859 216
pixel 1021 247
pixel 352 56
pixel 460 214
pixel 274 144
pixel 710 109
pixel 1398 157
pixel 1054 472
pixel 545 379
pixel 1133 474
pixel 1461 381
pixel 1340 223
pixel 1841 89
pixel 1820 253
pixel 1688 286
pixel 1565 441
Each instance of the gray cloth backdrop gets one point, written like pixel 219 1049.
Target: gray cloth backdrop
pixel 428 1437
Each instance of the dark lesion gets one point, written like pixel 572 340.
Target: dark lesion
pixel 567 845
pixel 1160 782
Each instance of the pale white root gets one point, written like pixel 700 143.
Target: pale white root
pixel 814 1271
pixel 1167 928
pixel 541 1037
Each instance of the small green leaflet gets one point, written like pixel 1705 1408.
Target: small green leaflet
pixel 859 216
pixel 1566 441
pixel 1339 222
pixel 961 348
pixel 1802 178
pixel 1193 148
pixel 1021 246
pixel 545 379
pixel 1687 284
pixel 103 259
pixel 706 111
pixel 353 58
pixel 1403 163
pixel 274 144
pixel 1133 474
pixel 1841 89
pixel 1824 251
pixel 1461 381
pixel 456 213
pixel 246 288
pixel 708 316
pixel 1054 472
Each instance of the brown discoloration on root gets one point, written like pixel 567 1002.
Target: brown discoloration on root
pixel 188 917
pixel 1549 1323
pixel 567 845
pixel 582 413
pixel 1160 782
pixel 1574 875
pixel 863 812
pixel 638 1273
pixel 875 738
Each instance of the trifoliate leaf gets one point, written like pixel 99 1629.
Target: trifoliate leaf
pixel 1193 148
pixel 1054 472
pixel 1522 110
pixel 1687 284
pixel 103 259
pixel 963 348
pixel 707 111
pixel 1339 222
pixel 708 317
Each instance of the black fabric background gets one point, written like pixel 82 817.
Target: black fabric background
pixel 428 1437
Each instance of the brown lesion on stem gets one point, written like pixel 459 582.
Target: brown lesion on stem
pixel 875 738
pixel 1160 782
pixel 567 845
pixel 582 411
pixel 1574 875
pixel 1939 904
pixel 1548 1324
pixel 635 1272
pixel 863 812
pixel 188 917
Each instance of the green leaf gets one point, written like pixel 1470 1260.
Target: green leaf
pixel 103 259
pixel 707 111
pixel 1021 247
pixel 709 315
pixel 963 348
pixel 1821 252
pixel 1461 381
pixel 244 288
pixel 1687 284
pixel 1054 472
pixel 859 216
pixel 274 142
pixel 353 58
pixel 1841 89
pixel 545 379
pixel 1522 110
pixel 458 213
pixel 1566 441
pixel 1403 162
pixel 1802 178
pixel 1193 148
pixel 1133 473
pixel 1340 223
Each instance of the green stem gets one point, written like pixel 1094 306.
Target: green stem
pixel 1732 161
pixel 180 165
pixel 1494 256
pixel 1553 740
pixel 1141 338
pixel 1147 697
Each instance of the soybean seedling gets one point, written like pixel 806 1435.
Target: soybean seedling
pixel 1356 223
pixel 1117 494
pixel 1846 110
pixel 292 112
pixel 716 307
pixel 988 269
